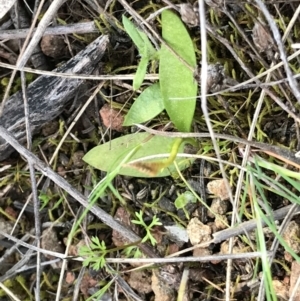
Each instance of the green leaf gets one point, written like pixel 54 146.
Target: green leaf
pixel 148 105
pixel 145 48
pixel 134 33
pixel 178 87
pixel 108 156
pixel 150 52
pixel 152 239
pixel 140 39
pixel 184 199
pixel 155 222
pixel 140 73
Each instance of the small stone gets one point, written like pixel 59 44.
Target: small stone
pixel 200 252
pixel 88 284
pixel 140 281
pixel 70 277
pixel 295 272
pixel 221 222
pixel 50 128
pixel 262 38
pixel 215 77
pixel 50 242
pixel 173 248
pixel 164 283
pixel 112 119
pixel 291 235
pixel 198 232
pixel 61 171
pixel 53 46
pixel 217 206
pixel 281 290
pixel 77 159
pixel 177 234
pixel 74 250
pixel 189 14
pixel 218 188
pixel 11 212
pixel 286 279
pixel 288 257
pixel 225 248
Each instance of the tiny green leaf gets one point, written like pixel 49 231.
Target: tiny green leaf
pixel 178 87
pixel 134 33
pixel 109 156
pixel 184 199
pixel 140 39
pixel 145 48
pixel 148 105
pixel 140 73
pixel 151 52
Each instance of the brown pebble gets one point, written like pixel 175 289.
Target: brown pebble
pixel 112 118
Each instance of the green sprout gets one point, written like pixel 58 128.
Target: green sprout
pixel 132 252
pixel 140 221
pixel 94 254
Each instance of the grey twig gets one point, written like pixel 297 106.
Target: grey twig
pixel 25 259
pixel 36 201
pixel 186 259
pixel 80 28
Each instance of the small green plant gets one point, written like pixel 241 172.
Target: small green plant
pixel 140 221
pixel 94 254
pixel 175 92
pixel 132 252
pixel 46 197
pixel 177 63
pixel 184 199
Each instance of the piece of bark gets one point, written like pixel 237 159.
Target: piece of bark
pixel 48 95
